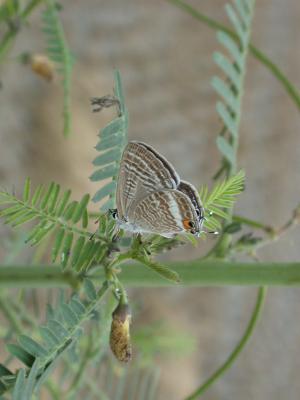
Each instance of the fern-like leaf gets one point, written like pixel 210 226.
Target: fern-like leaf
pixel 113 139
pixel 61 331
pixel 222 196
pixel 160 269
pixel 230 89
pixel 55 216
pixel 59 52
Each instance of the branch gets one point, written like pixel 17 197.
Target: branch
pixel 192 273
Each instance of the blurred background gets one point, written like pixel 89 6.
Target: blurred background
pixel 165 59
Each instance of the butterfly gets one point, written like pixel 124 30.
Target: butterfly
pixel 151 198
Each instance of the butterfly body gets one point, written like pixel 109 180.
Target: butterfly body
pixel 151 198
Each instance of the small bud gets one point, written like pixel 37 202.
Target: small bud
pixel 120 334
pixel 42 66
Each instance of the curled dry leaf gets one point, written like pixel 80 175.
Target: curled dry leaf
pixel 120 333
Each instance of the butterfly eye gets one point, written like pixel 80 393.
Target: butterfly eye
pixel 191 224
pixel 113 213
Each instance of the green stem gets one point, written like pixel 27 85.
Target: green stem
pixel 258 54
pixel 237 350
pixel 37 276
pixel 197 273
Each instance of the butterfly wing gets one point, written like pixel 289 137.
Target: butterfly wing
pixel 165 212
pixel 188 189
pixel 142 171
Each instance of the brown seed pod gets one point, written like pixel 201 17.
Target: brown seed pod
pixel 42 66
pixel 120 334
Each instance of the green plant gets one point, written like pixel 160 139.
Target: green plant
pixel 97 270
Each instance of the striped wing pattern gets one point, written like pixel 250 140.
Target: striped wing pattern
pixel 150 196
pixel 188 189
pixel 142 171
pixel 163 212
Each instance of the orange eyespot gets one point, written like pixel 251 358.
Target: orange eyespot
pixel 188 224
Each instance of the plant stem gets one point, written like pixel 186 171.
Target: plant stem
pixel 258 54
pixel 237 350
pixel 37 276
pixel 197 273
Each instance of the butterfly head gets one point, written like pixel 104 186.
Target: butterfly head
pixel 113 212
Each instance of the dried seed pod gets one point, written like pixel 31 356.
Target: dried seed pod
pixel 120 334
pixel 42 66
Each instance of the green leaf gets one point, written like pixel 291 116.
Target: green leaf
pixel 231 88
pixel 4 371
pixel 58 329
pixel 77 306
pixel 59 52
pixel 226 149
pixel 15 216
pixel 93 250
pixel 81 260
pixel 109 204
pixel 77 249
pixel 113 139
pixel 231 47
pixel 69 316
pixel 85 219
pixel 242 10
pixel 31 346
pixel 160 269
pixel 110 142
pixel 10 210
pixel 80 208
pixel 232 186
pixel 228 68
pixel 37 195
pixel 21 354
pixel 66 250
pixel 119 91
pixel 26 191
pixel 69 212
pixel 89 289
pixel 225 92
pixel 19 385
pixel 30 381
pixel 104 173
pixel 62 203
pixel 49 336
pixel 235 22
pixel 46 197
pixel 26 217
pixel 44 229
pixel 227 119
pixel 106 190
pixel 53 197
pixel 108 157
pixel 218 212
pixel 59 237
pixel 112 128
